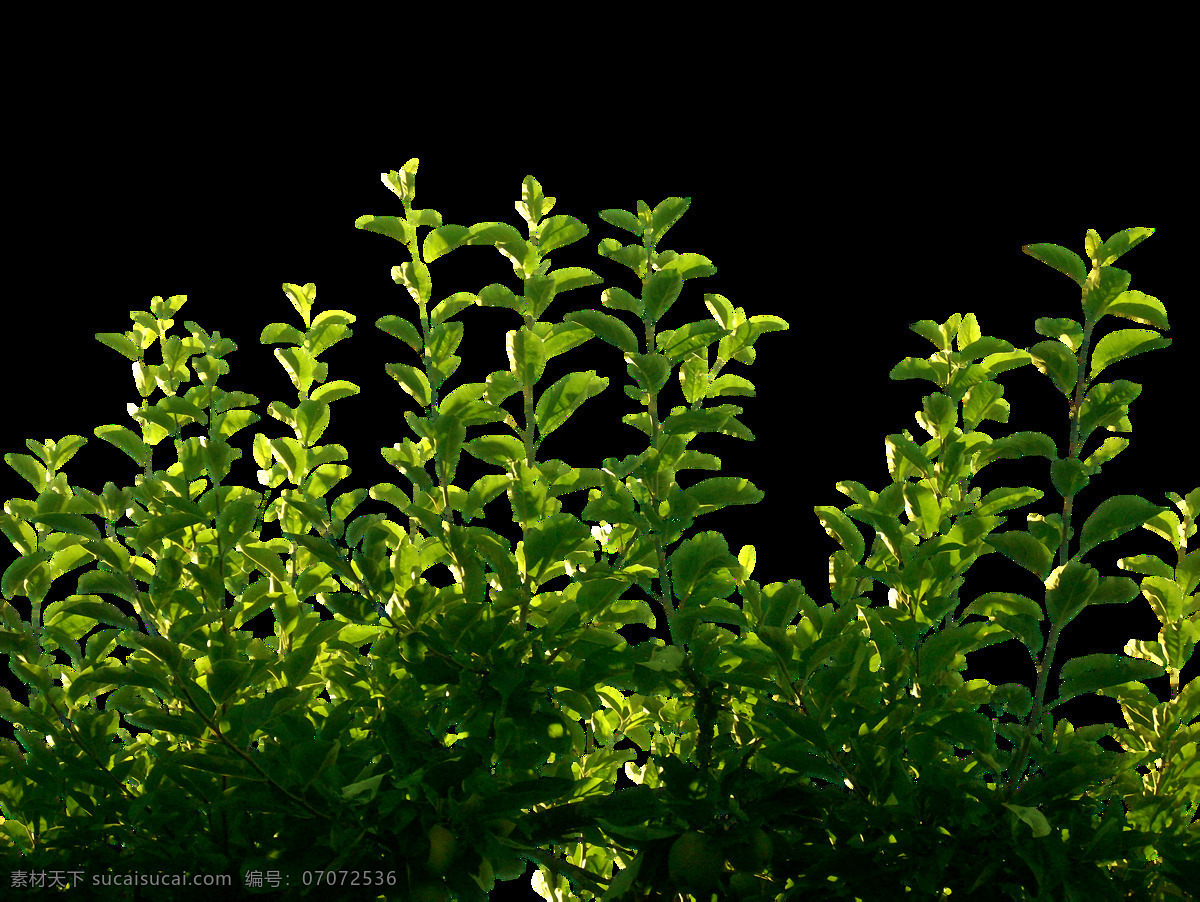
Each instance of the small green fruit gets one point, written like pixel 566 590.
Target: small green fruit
pixel 752 855
pixel 695 863
pixel 744 885
pixel 441 849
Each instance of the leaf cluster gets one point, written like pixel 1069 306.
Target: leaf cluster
pixel 456 735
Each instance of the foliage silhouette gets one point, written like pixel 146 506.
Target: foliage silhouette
pixel 467 725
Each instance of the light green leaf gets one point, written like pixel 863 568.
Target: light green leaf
pixel 1065 261
pixel 1121 243
pixel 1069 588
pixel 1055 360
pixel 676 344
pixel 1035 819
pixel 608 327
pixel 392 226
pixel 660 291
pixel 526 355
pixel 399 327
pixel 841 528
pixel 165 526
pixel 415 277
pixel 1141 308
pixel 74 524
pixel 551 540
pixel 717 492
pixel 1015 447
pixel 563 398
pixel 1007 498
pixel 1114 517
pixel 1107 405
pixel 696 559
pixel 1023 549
pixel 102 582
pixel 443 239
pixel 1090 673
pixel 922 508
pixel 126 441
pixel 412 380
pixel 498 449
pixel 1122 344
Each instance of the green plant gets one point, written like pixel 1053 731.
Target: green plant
pixel 499 698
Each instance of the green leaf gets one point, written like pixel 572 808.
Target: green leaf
pixel 708 419
pixel 1035 819
pixel 1107 405
pixel 1121 243
pixel 447 434
pixel 452 305
pixel 608 327
pixel 1068 590
pixel 399 327
pixel 266 559
pixel 412 380
pixel 102 611
pixel 1140 308
pixel 938 415
pixel 526 355
pixel 443 239
pixel 326 552
pixel 562 337
pixel 939 334
pixel 841 528
pixel 922 508
pixel 1102 291
pixel 676 344
pixel 497 449
pixel 1006 498
pixel 1015 447
pixel 27 468
pixel 126 441
pixel 898 448
pixel 695 560
pixel 660 291
pixel 1114 517
pixel 29 567
pixel 415 277
pixel 984 401
pixel 665 215
pixel 227 676
pixel 21 643
pixel 717 492
pixel 1065 261
pixel 1025 550
pixel 121 344
pixel 1090 673
pixel 312 419
pixel 392 226
pixel 75 524
pixel 563 398
pixel 623 219
pixel 559 231
pixel 165 526
pixel 163 649
pixel 1122 344
pixel 1055 360
pixel 551 540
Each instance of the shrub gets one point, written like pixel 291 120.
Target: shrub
pixel 476 723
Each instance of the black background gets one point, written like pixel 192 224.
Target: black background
pixel 845 237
